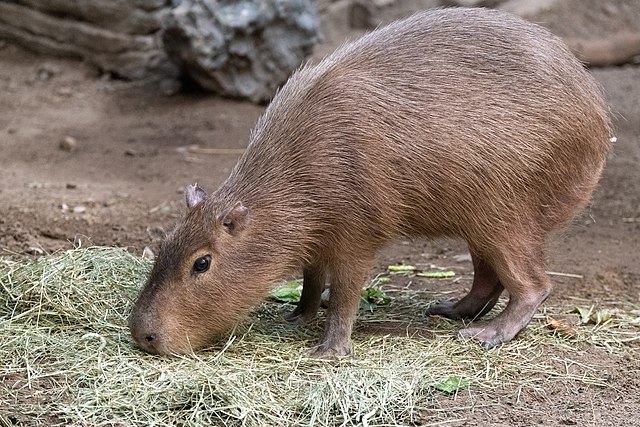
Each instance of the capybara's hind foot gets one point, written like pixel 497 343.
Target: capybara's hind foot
pixel 487 335
pixel 501 329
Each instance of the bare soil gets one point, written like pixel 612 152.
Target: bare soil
pixel 121 184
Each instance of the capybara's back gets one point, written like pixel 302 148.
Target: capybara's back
pixel 458 122
pixel 469 123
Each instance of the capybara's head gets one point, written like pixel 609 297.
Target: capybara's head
pixel 195 290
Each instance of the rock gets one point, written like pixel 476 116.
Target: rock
pixel 147 253
pixel 472 3
pixel 340 16
pixel 47 72
pixel 241 49
pixel 69 144
pixel 362 15
pixel 527 8
pixel 79 209
pixel 237 48
pixel 34 250
pixel 64 91
pixel 170 87
pixel 120 36
pixel 462 258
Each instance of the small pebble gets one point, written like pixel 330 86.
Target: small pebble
pixel 64 91
pixel 69 144
pixel 462 258
pixel 147 253
pixel 38 185
pixel 47 72
pixel 35 251
pixel 71 186
pixel 79 209
pixel 170 87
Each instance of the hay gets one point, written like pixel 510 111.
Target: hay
pixel 66 358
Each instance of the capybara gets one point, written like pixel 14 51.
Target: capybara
pixel 465 123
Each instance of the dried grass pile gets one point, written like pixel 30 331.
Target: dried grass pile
pixel 66 358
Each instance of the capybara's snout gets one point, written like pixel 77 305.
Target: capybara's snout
pixel 142 332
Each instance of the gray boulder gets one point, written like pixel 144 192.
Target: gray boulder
pixel 237 48
pixel 243 49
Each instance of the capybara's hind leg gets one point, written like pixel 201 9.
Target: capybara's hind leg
pixel 344 299
pixel 313 281
pixel 528 286
pixel 484 294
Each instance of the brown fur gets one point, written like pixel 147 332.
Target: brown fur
pixel 456 122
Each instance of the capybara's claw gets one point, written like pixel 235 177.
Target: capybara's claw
pixel 487 335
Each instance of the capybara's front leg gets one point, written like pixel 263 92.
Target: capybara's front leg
pixel 313 281
pixel 344 299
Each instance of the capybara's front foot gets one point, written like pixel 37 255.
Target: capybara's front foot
pixel 300 316
pixel 330 350
pixel 469 307
pixel 444 308
pixel 312 285
pixel 479 301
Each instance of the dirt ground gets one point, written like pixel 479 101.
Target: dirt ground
pixel 119 182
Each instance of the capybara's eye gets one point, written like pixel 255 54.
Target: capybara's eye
pixel 202 264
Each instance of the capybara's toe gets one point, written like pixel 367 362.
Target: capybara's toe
pixel 487 335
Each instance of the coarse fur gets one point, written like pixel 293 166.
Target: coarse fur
pixel 468 123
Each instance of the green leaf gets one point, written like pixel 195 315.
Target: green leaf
pixel 436 274
pixel 401 268
pixel 382 280
pixel 376 296
pixel 288 292
pixel 366 305
pixel 371 298
pixel 583 313
pixel 452 384
pixel 601 317
pixel 589 315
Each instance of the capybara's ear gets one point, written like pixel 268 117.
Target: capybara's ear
pixel 194 195
pixel 233 219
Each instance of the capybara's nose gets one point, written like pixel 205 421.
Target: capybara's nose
pixel 145 340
